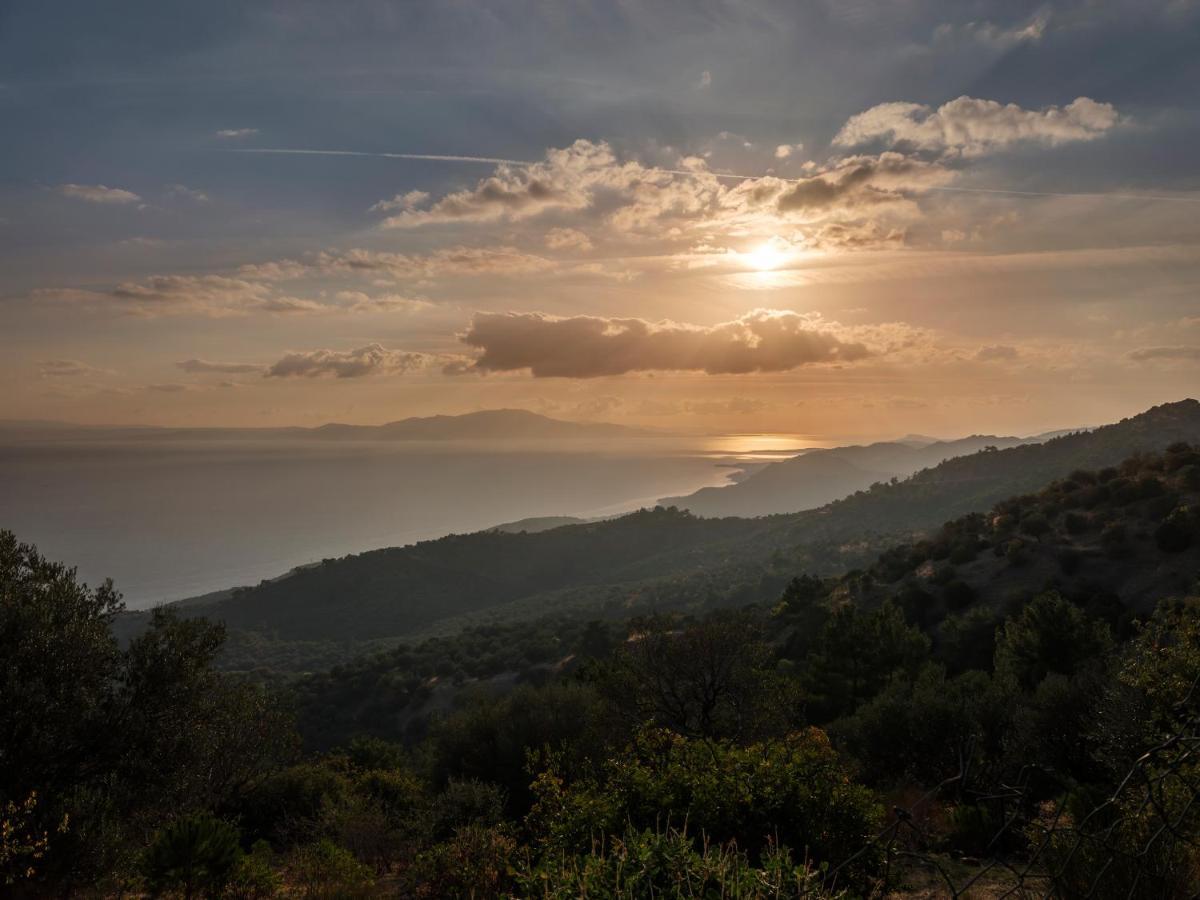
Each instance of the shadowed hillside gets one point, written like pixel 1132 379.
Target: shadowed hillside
pixel 648 560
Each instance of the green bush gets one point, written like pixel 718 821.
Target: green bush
pixel 325 871
pixel 195 856
pixel 667 863
pixel 254 877
pixel 794 790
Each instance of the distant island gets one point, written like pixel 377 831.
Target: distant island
pixel 495 424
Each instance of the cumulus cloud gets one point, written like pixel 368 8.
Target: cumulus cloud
pixel 862 181
pixel 373 359
pixel 590 346
pixel 1144 354
pixel 233 133
pixel 228 368
pixel 971 127
pixel 98 193
pixel 564 180
pixel 587 181
pixel 785 151
pixel 69 368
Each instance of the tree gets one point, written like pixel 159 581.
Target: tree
pixel 857 653
pixel 1050 635
pixel 713 678
pixel 115 742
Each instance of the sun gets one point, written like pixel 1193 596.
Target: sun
pixel 768 255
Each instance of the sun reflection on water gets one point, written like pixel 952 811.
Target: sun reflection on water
pixel 761 446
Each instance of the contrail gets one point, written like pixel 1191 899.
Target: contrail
pixel 728 176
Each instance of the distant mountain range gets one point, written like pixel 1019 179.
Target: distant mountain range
pixel 818 477
pixel 495 424
pixel 645 561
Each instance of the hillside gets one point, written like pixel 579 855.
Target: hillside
pixel 1114 542
pixel 822 476
pixel 648 560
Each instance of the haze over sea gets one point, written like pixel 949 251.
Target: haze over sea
pixel 173 519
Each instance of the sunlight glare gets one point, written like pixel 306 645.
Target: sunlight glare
pixel 768 255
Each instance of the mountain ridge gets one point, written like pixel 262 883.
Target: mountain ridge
pixel 488 423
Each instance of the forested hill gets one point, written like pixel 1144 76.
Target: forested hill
pixel 1114 542
pixel 654 559
pixel 822 476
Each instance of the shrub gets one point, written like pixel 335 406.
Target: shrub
pixel 793 789
pixel 324 870
pixel 193 855
pixel 667 863
pixel 475 862
pixel 1014 552
pixel 254 876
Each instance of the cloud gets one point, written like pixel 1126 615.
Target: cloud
pixel 358 302
pixel 860 182
pixel 737 406
pixel 587 181
pixel 589 346
pixel 98 193
pixel 233 133
pixel 565 180
pixel 373 359
pixel 991 35
pixel 183 192
pixel 69 368
pixel 1144 354
pixel 411 200
pixel 705 79
pixel 168 295
pixel 971 127
pixel 450 261
pixel 172 387
pixel 996 353
pixel 228 368
pixel 784 151
pixel 567 239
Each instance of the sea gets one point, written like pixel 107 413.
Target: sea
pixel 173 519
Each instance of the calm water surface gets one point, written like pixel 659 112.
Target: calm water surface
pixel 168 520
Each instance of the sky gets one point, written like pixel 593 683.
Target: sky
pixel 840 217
